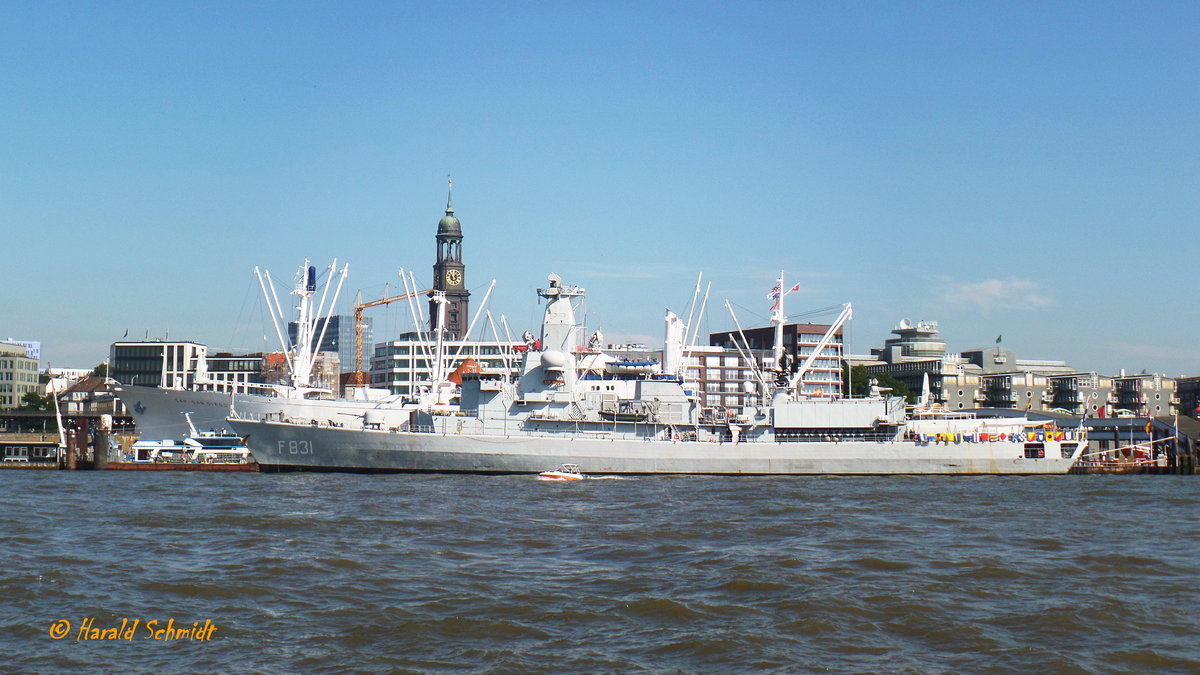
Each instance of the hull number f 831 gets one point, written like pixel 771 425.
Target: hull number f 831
pixel 295 447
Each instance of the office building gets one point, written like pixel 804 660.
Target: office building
pixel 338 338
pixel 18 375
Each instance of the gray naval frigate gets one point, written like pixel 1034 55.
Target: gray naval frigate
pixel 570 404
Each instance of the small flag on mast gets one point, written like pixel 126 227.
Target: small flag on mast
pixel 775 293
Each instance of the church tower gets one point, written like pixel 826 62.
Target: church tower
pixel 449 274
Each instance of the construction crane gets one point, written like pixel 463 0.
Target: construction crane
pixel 360 377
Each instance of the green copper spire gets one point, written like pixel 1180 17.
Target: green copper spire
pixel 449 225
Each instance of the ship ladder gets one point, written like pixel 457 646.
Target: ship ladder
pixel 574 412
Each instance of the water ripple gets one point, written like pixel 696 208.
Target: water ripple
pixel 422 574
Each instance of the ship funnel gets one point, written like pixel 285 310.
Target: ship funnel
pixel 311 286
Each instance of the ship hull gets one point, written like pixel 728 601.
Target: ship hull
pixel 158 413
pixel 289 447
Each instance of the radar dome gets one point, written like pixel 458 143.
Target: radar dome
pixel 554 360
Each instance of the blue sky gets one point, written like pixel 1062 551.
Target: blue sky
pixel 1028 170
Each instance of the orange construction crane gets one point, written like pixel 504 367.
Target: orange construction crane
pixel 360 377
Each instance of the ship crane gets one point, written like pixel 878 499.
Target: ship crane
pixel 792 384
pixel 847 313
pixel 360 377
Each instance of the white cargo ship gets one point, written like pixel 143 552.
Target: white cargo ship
pixel 158 412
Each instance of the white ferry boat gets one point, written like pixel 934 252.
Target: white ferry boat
pixel 198 447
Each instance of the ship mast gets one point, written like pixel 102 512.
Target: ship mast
pixel 778 318
pixel 439 366
pixel 301 355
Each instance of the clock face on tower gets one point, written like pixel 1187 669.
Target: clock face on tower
pixel 453 277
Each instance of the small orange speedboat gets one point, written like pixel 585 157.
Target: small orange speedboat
pixel 567 472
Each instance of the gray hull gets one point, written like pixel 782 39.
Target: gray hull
pixel 293 447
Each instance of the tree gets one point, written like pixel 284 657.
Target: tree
pixel 100 370
pixel 898 387
pixel 856 379
pixel 35 401
pixel 860 383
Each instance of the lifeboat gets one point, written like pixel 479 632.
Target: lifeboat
pixel 631 367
